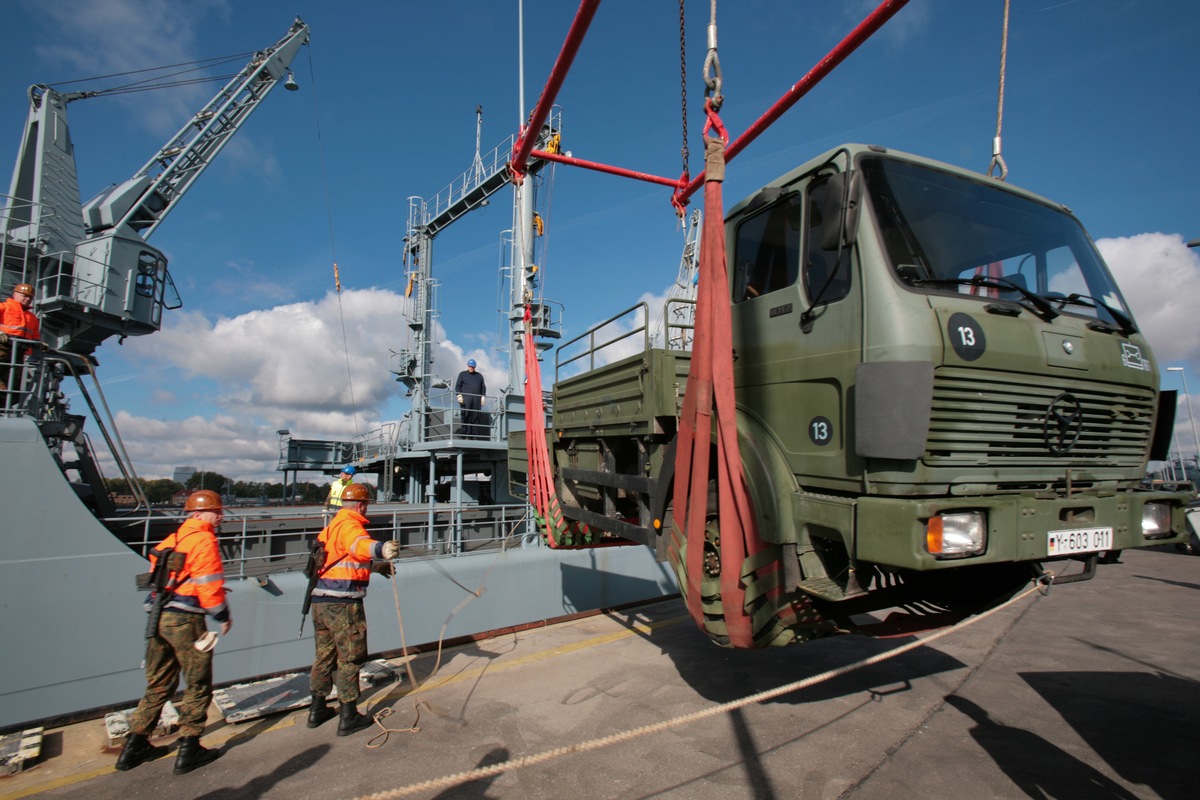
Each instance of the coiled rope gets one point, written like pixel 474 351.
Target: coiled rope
pixel 381 738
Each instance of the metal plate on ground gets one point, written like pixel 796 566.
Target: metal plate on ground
pixel 247 701
pixel 16 749
pixel 116 724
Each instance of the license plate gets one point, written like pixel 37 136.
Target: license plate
pixel 1078 540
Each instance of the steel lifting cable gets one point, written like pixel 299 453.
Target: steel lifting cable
pixel 1040 587
pixel 685 176
pixel 997 158
pixel 337 281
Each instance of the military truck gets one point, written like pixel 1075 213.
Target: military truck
pixel 941 395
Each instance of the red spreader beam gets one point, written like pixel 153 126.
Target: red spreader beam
pixel 885 11
pixel 524 144
pixel 592 165
pixel 523 147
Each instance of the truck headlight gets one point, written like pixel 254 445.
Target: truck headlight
pixel 1156 520
pixel 957 535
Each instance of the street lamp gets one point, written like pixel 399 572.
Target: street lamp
pixel 1188 398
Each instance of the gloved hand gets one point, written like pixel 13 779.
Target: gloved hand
pixel 384 568
pixel 460 400
pixel 4 340
pixel 391 549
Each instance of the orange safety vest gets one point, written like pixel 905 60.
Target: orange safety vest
pixel 348 553
pixel 199 587
pixel 16 321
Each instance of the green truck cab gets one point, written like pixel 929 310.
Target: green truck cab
pixel 941 395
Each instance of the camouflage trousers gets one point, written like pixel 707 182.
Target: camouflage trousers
pixel 340 630
pixel 168 654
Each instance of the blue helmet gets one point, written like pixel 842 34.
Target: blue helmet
pixel 470 362
pixel 349 469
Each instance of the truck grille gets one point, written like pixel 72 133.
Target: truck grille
pixel 983 418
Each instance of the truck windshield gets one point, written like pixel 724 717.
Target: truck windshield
pixel 946 233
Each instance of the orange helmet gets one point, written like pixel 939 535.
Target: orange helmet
pixel 356 491
pixel 203 500
pixel 23 288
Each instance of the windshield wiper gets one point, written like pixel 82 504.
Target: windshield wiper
pixel 1040 305
pixel 1123 320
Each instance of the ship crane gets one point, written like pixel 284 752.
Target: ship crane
pixel 94 274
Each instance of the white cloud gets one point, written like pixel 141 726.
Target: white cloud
pixel 1160 278
pixel 282 367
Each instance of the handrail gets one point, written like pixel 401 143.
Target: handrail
pixel 642 326
pixel 436 531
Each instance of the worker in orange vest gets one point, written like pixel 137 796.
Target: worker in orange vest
pixel 194 590
pixel 16 322
pixel 339 624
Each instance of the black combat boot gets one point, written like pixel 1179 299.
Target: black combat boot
pixel 192 755
pixel 351 721
pixel 136 750
pixel 319 712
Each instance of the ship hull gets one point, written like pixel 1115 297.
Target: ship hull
pixel 73 622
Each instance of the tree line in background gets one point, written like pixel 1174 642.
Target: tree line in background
pixel 161 491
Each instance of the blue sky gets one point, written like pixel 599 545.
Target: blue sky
pixel 1101 113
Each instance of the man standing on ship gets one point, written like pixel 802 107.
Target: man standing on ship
pixel 337 487
pixel 195 589
pixel 17 321
pixel 339 624
pixel 470 388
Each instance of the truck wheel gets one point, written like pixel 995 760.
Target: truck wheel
pixel 776 617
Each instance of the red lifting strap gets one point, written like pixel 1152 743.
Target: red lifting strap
pixel 541 483
pixel 710 394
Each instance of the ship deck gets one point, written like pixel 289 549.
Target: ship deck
pixel 1091 690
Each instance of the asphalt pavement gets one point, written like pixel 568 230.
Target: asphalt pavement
pixel 1089 691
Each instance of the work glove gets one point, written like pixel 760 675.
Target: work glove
pixel 4 340
pixel 460 400
pixel 384 568
pixel 391 549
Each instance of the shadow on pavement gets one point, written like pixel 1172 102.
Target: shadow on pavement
pixel 1144 725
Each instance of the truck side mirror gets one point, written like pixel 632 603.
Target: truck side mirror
pixel 843 193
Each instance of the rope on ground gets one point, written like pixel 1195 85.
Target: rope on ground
pixel 383 714
pixel 1040 586
pixel 408 664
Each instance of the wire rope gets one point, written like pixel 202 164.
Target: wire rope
pixel 997 158
pixel 457 779
pixel 337 282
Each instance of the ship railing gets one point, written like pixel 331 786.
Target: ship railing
pixel 21 376
pixel 377 443
pixel 442 419
pixel 25 226
pixel 478 182
pixel 256 543
pixel 624 334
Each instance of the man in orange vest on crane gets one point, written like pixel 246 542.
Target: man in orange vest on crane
pixel 188 586
pixel 339 624
pixel 17 321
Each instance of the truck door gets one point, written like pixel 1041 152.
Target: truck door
pixel 794 383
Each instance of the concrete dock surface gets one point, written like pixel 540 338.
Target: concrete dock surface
pixel 1089 691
